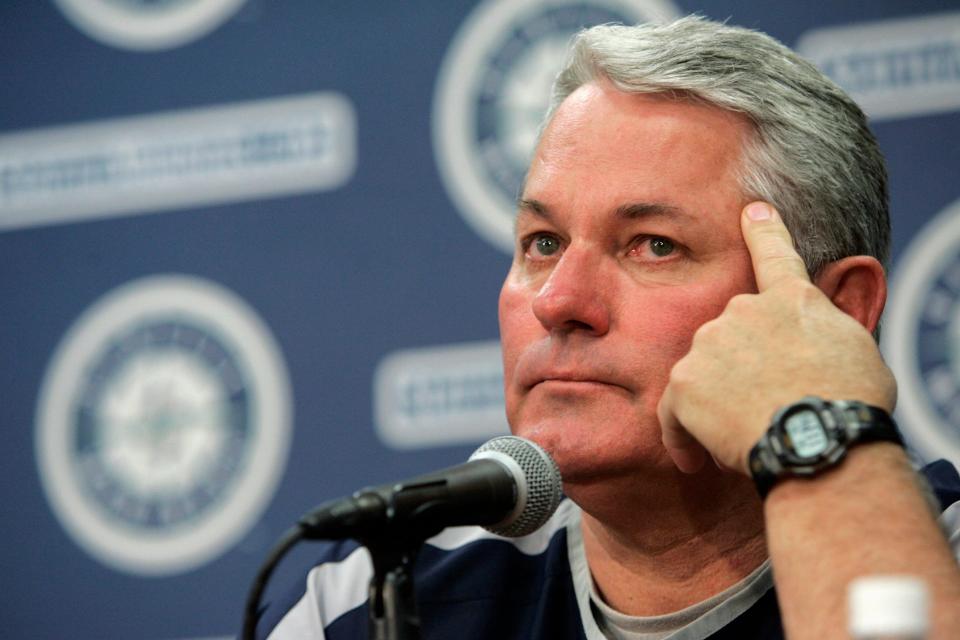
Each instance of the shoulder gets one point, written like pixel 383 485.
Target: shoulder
pixel 476 557
pixel 944 483
pixel 300 611
pixel 473 584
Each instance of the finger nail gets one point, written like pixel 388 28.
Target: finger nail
pixel 759 211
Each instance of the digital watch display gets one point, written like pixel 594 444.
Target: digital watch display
pixel 813 435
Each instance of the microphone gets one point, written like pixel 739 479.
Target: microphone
pixel 510 486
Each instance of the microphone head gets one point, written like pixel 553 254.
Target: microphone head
pixel 538 481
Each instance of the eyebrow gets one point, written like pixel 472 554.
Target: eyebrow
pixel 535 207
pixel 631 211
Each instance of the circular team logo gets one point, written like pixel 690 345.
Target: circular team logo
pixel 148 24
pixel 163 424
pixel 493 90
pixel 921 337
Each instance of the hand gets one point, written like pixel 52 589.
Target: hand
pixel 766 350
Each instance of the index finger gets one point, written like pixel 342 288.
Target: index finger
pixel 771 248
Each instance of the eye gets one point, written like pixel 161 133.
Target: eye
pixel 546 245
pixel 654 248
pixel 661 247
pixel 541 245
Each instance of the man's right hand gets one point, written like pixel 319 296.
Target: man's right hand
pixel 767 350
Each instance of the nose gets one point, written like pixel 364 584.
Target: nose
pixel 573 298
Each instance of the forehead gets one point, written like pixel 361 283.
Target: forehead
pixel 605 149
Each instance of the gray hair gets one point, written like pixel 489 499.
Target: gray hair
pixel 812 155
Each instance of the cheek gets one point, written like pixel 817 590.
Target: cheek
pixel 668 322
pixel 676 320
pixel 517 325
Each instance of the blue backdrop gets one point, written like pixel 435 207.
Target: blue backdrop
pixel 250 254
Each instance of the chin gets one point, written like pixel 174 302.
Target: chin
pixel 586 458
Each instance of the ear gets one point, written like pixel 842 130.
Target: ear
pixel 857 285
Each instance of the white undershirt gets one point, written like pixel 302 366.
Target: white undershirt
pixel 619 626
pixel 698 622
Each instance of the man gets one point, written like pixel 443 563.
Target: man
pixel 655 318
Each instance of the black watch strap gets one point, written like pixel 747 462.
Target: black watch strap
pixel 877 424
pixel 764 474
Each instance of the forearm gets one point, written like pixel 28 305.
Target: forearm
pixel 869 516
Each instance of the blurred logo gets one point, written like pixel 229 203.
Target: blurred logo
pixel 435 396
pixel 163 425
pixel 209 155
pixel 493 90
pixel 895 68
pixel 148 24
pixel 921 337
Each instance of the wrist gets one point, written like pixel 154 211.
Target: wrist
pixel 864 464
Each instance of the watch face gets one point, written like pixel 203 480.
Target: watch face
pixel 805 434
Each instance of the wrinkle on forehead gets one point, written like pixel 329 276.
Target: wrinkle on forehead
pixel 672 117
pixel 627 211
pixel 639 156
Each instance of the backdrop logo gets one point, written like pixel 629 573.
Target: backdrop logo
pixel 148 24
pixel 493 89
pixel 440 395
pixel 211 155
pixel 895 68
pixel 922 337
pixel 163 424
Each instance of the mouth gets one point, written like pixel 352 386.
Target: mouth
pixel 547 365
pixel 575 383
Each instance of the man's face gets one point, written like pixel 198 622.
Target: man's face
pixel 627 240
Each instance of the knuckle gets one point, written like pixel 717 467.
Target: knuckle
pixel 807 291
pixel 782 259
pixel 797 293
pixel 705 333
pixel 771 240
pixel 739 303
pixel 680 373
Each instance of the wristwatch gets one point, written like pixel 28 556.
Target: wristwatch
pixel 810 436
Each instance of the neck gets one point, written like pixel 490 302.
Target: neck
pixel 689 540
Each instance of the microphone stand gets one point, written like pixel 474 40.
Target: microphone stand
pixel 393 543
pixel 393 607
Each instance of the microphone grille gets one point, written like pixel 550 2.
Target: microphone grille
pixel 541 484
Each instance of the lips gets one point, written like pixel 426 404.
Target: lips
pixel 571 378
pixel 531 375
pixel 566 385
